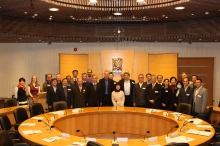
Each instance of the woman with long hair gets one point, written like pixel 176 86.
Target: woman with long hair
pixel 33 89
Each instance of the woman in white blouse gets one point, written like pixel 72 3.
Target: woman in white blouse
pixel 118 97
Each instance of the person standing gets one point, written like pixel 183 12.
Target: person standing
pixel 139 92
pixel 20 92
pixel 193 83
pixel 127 86
pixel 75 78
pixel 89 73
pixel 47 83
pixel 65 93
pixel 167 101
pixel 154 92
pixel 107 86
pixel 148 76
pixel 186 93
pixel 118 97
pixel 93 93
pixel 33 90
pixel 160 80
pixel 59 82
pixel 84 80
pixel 79 93
pixel 200 98
pixel 52 94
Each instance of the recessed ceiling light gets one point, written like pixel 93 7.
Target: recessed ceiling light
pixel 163 15
pixel 19 38
pixel 51 16
pixel 166 17
pixel 73 18
pixel 35 14
pixel 192 14
pixel 216 40
pixel 25 12
pixel 117 13
pixel 39 40
pixel 54 9
pixel 207 13
pixel 200 39
pixel 179 8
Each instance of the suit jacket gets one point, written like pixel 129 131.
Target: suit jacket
pixel 139 94
pixel 132 82
pixel 200 100
pixel 93 97
pixel 166 97
pixel 106 101
pixel 154 94
pixel 186 96
pixel 52 96
pixel 61 95
pixel 86 84
pixel 79 97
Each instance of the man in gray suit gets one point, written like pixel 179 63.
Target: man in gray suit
pixel 139 92
pixel 200 98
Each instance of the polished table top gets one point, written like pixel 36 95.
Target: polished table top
pixel 37 138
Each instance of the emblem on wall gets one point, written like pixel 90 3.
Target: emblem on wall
pixel 117 64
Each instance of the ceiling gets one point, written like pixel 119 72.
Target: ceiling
pixel 28 21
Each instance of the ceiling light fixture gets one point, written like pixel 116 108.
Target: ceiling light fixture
pixel 207 13
pixel 179 8
pixel 141 2
pixel 54 9
pixel 117 13
pixel 25 12
pixel 92 2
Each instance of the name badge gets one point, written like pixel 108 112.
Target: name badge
pixel 156 91
pixel 132 82
pixel 166 90
pixel 187 94
pixel 114 82
pixel 144 88
pixel 84 90
pixel 199 95
pixel 69 89
pixel 48 85
pixel 36 87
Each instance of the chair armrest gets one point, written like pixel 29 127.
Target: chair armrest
pixel 15 125
pixel 16 141
pixel 21 144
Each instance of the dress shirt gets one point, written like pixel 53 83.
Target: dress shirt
pixel 148 82
pixel 80 88
pixel 140 84
pixel 185 88
pixel 127 86
pixel 55 88
pixel 106 86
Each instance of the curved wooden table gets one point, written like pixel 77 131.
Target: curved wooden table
pixel 125 121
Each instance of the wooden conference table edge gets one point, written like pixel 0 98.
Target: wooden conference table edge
pixel 35 140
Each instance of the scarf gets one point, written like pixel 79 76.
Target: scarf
pixel 22 87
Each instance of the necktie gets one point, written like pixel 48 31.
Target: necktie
pixel 65 92
pixel 94 85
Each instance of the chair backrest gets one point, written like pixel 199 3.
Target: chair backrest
pixel 60 105
pixel 5 139
pixel 20 115
pixel 92 143
pixel 208 114
pixel 36 109
pixel 5 122
pixel 9 102
pixel 184 108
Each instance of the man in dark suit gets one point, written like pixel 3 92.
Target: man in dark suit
pixel 160 80
pixel 186 92
pixel 84 80
pixel 69 84
pixel 139 92
pixel 127 86
pixel 52 94
pixel 107 86
pixel 93 93
pixel 65 93
pixel 154 92
pixel 79 93
pixel 75 78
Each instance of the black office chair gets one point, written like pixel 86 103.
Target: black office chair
pixel 184 108
pixel 20 115
pixel 6 125
pixel 60 105
pixel 10 102
pixel 207 115
pixel 36 109
pixel 91 143
pixel 5 140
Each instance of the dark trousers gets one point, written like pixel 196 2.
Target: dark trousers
pixel 106 100
pixel 128 101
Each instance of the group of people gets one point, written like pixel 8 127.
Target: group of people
pixel 87 91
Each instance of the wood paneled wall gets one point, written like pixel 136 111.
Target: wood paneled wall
pixel 134 63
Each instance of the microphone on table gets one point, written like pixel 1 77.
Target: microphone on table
pixel 52 114
pixel 181 115
pixel 82 134
pixel 44 123
pixel 185 123
pixel 56 128
pixel 152 108
pixel 44 117
pixel 114 141
pixel 172 129
pixel 144 140
pixel 63 108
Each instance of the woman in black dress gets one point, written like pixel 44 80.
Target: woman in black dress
pixel 166 96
